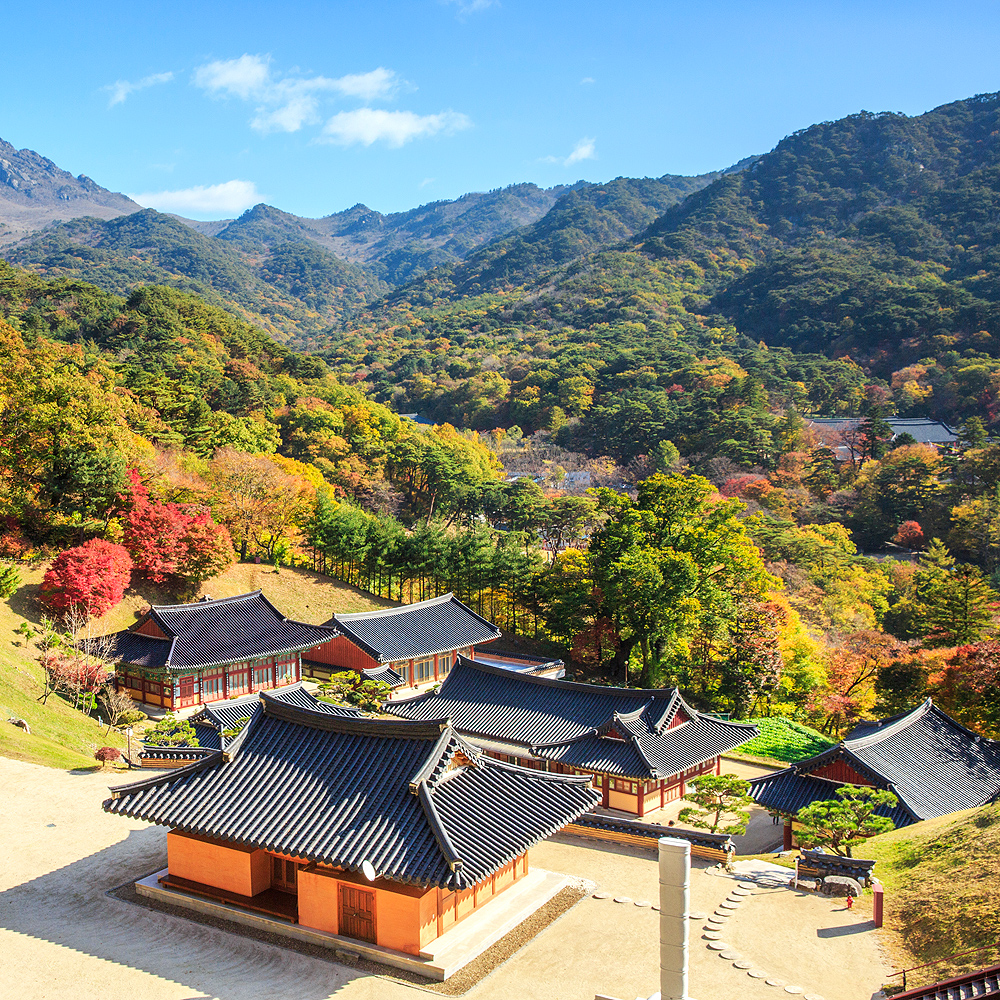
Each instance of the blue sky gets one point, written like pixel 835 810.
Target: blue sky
pixel 205 109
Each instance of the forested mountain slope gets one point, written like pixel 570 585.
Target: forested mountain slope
pixel 583 220
pixel 286 285
pixel 876 235
pixel 865 247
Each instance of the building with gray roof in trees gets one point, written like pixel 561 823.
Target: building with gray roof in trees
pixel 931 763
pixel 414 646
pixel 385 831
pixel 640 748
pixel 180 655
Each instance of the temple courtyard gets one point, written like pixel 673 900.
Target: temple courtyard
pixel 61 935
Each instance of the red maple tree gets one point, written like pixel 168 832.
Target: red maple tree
pixel 910 535
pixel 92 576
pixel 171 541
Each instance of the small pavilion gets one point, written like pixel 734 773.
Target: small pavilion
pixel 383 831
pixel 638 747
pixel 931 763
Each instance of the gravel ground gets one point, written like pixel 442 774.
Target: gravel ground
pixel 454 986
pixel 63 937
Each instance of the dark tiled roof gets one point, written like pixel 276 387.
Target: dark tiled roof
pixel 208 633
pixel 573 723
pixel 134 647
pixel 175 753
pixel 639 828
pixel 415 630
pixel 934 765
pixel 520 662
pixel 342 791
pixel 984 982
pixel 384 674
pixel 218 715
pixel 787 792
pixel 922 429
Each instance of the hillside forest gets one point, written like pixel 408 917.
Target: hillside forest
pixel 662 345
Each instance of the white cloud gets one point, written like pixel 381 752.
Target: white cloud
pixel 585 149
pixel 426 181
pixel 120 89
pixel 379 82
pixel 287 103
pixel 370 125
pixel 467 7
pixel 225 199
pixel 588 79
pixel 241 77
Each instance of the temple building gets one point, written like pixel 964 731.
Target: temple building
pixel 640 748
pixel 412 646
pixel 381 831
pixel 926 759
pixel 179 655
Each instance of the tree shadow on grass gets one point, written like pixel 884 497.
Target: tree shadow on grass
pixel 24 603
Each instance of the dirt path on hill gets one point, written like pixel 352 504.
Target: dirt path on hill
pixel 62 937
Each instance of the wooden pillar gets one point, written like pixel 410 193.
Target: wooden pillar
pixel 787 839
pixel 718 765
pixel 663 792
pixel 641 803
pixel 605 798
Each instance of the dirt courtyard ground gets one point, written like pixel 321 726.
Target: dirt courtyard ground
pixel 62 937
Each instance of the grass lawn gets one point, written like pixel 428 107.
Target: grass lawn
pixel 298 593
pixel 65 738
pixel 942 891
pixel 60 736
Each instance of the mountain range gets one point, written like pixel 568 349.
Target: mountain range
pixel 297 276
pixel 858 260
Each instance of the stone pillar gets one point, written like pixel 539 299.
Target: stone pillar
pixel 675 882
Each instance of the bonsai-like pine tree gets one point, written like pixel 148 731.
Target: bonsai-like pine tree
pixel 845 821
pixel 721 804
pixel 171 732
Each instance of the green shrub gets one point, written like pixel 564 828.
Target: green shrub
pixel 785 740
pixel 10 580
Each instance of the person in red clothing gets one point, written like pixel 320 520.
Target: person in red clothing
pixel 850 900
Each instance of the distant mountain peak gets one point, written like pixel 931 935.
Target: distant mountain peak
pixel 34 191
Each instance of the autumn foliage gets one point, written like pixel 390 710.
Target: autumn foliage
pixel 105 754
pixel 171 541
pixel 910 535
pixel 969 687
pixel 92 576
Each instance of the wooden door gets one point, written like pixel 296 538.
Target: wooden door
pixel 187 691
pixel 284 874
pixel 357 913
